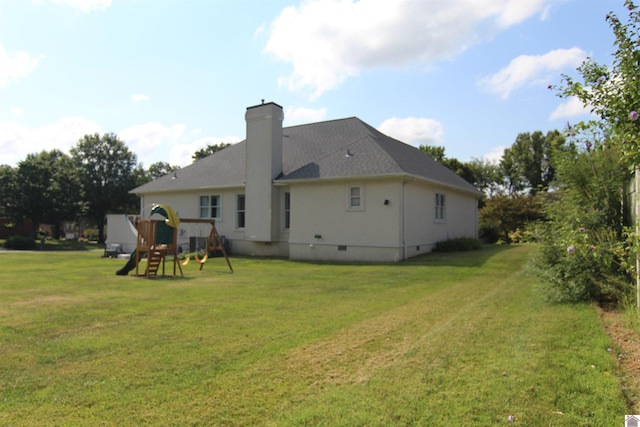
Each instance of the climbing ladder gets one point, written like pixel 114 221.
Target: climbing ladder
pixel 156 253
pixel 154 259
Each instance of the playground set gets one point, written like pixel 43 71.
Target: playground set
pixel 157 239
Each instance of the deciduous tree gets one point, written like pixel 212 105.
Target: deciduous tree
pixel 107 173
pixel 7 189
pixel 209 150
pixel 529 163
pixel 47 189
pixel 158 169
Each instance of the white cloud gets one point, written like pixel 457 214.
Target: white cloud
pixel 151 142
pixel 14 67
pixel 414 131
pixel 182 154
pixel 17 141
pixel 147 140
pixel 299 115
pixel 514 12
pixel 16 111
pixel 85 5
pixel 532 70
pixel 154 142
pixel 571 108
pixel 495 155
pixel 138 97
pixel 328 41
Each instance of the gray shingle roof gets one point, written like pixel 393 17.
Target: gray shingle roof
pixel 316 151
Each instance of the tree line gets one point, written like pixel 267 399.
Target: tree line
pixel 94 179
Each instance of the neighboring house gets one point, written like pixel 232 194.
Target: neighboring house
pixel 335 190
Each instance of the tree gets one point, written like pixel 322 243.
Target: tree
pixel 7 189
pixel 46 190
pixel 209 150
pixel 587 252
pixel 435 151
pixel 459 168
pixel 529 162
pixel 158 169
pixel 107 173
pixel 583 255
pixel 612 93
pixel 486 176
pixel 503 214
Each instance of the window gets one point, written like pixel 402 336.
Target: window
pixel 210 207
pixel 355 198
pixel 440 207
pixel 240 210
pixel 287 210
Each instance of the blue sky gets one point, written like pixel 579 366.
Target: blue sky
pixel 171 76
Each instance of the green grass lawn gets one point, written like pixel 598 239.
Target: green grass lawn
pixel 447 339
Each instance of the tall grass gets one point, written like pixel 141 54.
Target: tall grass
pixel 446 339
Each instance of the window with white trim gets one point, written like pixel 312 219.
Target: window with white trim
pixel 440 207
pixel 210 207
pixel 240 210
pixel 355 198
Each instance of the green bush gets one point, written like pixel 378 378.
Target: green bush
pixel 91 234
pixel 524 235
pixel 20 243
pixel 457 245
pixel 584 265
pixel 489 232
pixel 586 252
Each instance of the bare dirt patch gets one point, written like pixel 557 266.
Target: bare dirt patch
pixel 627 350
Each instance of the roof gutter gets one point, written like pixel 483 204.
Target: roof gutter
pixel 403 176
pixel 172 190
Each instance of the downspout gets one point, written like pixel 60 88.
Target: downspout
pixel 476 220
pixel 404 220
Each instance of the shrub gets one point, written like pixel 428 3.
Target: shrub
pixel 20 243
pixel 584 265
pixel 524 235
pixel 587 252
pixel 91 234
pixel 489 232
pixel 456 245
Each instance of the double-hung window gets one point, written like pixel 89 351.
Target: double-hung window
pixel 240 210
pixel 355 198
pixel 210 207
pixel 440 208
pixel 287 210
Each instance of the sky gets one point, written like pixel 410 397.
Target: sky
pixel 170 77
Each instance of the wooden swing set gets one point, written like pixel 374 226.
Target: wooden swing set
pixel 157 240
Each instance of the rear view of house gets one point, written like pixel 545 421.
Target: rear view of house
pixel 335 190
